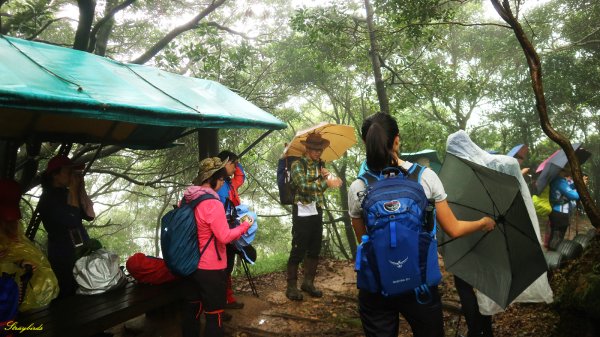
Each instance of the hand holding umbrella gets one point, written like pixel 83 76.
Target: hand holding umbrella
pixel 500 263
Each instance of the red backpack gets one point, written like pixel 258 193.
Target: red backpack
pixel 149 269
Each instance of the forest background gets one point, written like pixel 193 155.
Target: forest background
pixel 447 65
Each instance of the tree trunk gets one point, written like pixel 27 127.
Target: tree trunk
pixel 535 71
pixel 384 104
pixel 99 39
pixel 87 8
pixel 100 33
pixel 348 229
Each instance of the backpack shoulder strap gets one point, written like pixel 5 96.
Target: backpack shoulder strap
pixel 415 172
pixel 368 177
pixel 200 199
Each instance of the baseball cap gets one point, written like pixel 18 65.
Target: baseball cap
pixel 59 161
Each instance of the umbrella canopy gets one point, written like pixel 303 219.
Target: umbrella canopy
pixel 431 155
pixel 501 263
pixel 519 151
pixel 340 137
pixel 66 95
pixel 555 163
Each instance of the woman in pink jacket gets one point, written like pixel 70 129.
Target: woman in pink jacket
pixel 209 280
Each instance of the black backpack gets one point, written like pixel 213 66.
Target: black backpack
pixel 284 179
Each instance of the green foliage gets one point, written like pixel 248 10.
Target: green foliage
pixel 311 65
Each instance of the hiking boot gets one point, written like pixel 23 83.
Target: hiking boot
pixel 234 305
pixel 310 289
pixel 292 291
pixel 310 270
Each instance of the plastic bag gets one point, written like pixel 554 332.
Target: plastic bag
pixel 98 272
pixel 246 238
pixel 542 202
pixel 42 287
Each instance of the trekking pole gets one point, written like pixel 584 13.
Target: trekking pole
pixel 249 277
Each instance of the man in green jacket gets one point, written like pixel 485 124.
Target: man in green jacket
pixel 310 179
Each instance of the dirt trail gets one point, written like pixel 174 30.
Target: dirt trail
pixel 335 314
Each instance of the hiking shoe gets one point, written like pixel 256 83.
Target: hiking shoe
pixel 293 294
pixel 234 305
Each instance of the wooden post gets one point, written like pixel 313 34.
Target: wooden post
pixel 208 143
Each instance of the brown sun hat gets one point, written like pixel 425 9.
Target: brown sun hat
pixel 208 167
pixel 315 141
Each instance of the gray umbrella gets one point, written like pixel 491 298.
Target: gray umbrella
pixel 501 263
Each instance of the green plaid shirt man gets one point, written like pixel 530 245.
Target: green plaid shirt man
pixel 308 183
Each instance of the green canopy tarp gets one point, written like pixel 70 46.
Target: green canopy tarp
pixel 60 94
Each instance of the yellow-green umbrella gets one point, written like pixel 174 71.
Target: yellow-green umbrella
pixel 340 137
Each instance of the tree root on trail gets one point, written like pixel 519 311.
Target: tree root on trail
pixel 241 331
pixel 294 317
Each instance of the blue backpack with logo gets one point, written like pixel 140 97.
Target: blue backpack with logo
pixel 399 252
pixel 179 237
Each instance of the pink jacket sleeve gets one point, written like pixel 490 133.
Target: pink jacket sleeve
pixel 214 214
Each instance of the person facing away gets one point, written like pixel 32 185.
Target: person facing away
pixel 230 198
pixel 207 284
pixel 310 179
pixel 63 206
pixel 561 195
pixel 380 314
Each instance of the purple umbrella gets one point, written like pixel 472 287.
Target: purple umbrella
pixel 555 163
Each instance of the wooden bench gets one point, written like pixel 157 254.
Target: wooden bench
pixel 83 316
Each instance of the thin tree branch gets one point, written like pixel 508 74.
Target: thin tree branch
pixel 43 28
pixel 193 23
pixel 227 29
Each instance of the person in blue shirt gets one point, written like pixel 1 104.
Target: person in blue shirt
pixel 561 195
pixel 230 198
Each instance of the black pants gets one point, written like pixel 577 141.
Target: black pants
pixel 479 325
pixel 379 314
pixel 307 234
pixel 231 253
pixel 205 291
pixel 62 261
pixel 559 222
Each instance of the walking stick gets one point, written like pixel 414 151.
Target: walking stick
pixel 249 277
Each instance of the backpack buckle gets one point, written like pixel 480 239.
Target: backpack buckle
pixel 423 294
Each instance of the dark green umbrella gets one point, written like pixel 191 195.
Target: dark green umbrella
pixel 501 263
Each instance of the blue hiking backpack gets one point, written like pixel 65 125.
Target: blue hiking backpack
pixel 399 252
pixel 179 237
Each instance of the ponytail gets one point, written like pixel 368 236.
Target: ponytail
pixel 379 132
pixel 378 155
